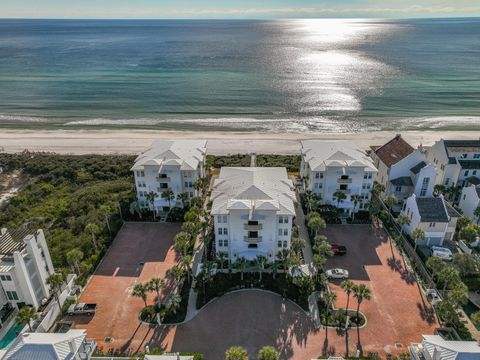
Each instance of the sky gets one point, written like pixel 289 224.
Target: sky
pixel 242 9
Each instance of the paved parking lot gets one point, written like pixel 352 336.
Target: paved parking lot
pixel 139 252
pixel 397 313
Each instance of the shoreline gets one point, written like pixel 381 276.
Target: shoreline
pixel 125 141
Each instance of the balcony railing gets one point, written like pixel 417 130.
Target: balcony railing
pixel 251 240
pixel 344 181
pixel 163 179
pixel 252 227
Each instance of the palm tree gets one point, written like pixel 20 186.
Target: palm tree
pixel 390 201
pixel 339 196
pixel 177 273
pixel 151 196
pixel 403 220
pixel 174 302
pixel 348 287
pixel 377 189
pixel 222 258
pixel 186 265
pixel 74 257
pixel 26 315
pixel 241 263
pixel 275 265
pixel 448 275
pixel 140 291
pixel 297 245
pixel 268 353
pixel 94 230
pixel 318 262
pixel 105 211
pixel 135 208
pixel 169 196
pixel 329 298
pixel 261 261
pixel 182 242
pixel 418 234
pixel 316 223
pixel 236 353
pixel 55 282
pixel 360 292
pixel 183 197
pixel 282 257
pixel 435 264
pixel 156 284
pixel 324 248
pixel 356 200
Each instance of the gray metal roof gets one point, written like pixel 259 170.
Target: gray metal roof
pixel 416 169
pixel 469 164
pixel 402 181
pixel 473 180
pixel 432 209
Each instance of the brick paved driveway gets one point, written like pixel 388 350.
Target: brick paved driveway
pixel 139 252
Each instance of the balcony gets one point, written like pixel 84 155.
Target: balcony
pixel 163 179
pixel 252 240
pixel 252 227
pixel 345 191
pixel 344 181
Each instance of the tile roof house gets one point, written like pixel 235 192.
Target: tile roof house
pixel 169 164
pixel 253 210
pixel 456 161
pixel 403 170
pixel 435 216
pixel 434 347
pixel 329 167
pixel 71 345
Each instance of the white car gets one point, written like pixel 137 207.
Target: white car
pixel 441 252
pixel 337 274
pixel 433 296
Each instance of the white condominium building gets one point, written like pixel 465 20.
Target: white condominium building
pixel 169 164
pixel 253 210
pixel 329 167
pixel 25 265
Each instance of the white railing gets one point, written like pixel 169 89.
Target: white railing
pixel 52 310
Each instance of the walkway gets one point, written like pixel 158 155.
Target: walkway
pixel 303 232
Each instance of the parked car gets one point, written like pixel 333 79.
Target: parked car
pixel 337 273
pixel 433 297
pixel 82 308
pixel 338 249
pixel 441 252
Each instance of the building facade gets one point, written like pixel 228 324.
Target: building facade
pixel 403 170
pixel 435 216
pixel 456 161
pixel 253 210
pixel 329 167
pixel 434 347
pixel 168 165
pixel 470 201
pixel 25 265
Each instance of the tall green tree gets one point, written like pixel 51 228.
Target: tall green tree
pixel 74 257
pixel 361 292
pixel 390 201
pixel 93 230
pixel 316 223
pixel 402 221
pixel 105 211
pixel 339 196
pixel 241 263
pixel 55 283
pixel 168 195
pixel 448 276
pixel 329 298
pixel 183 198
pixel 261 262
pixel 417 235
pixel 26 315
pixel 140 291
pixel 355 198
pixel 151 197
pixel 348 287
pixel 156 284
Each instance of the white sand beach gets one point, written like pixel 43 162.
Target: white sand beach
pixel 219 143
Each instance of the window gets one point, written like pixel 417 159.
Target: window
pixel 463 156
pixel 476 156
pixel 285 243
pixel 225 242
pixel 425 183
pixel 279 244
pixel 474 172
pixel 317 175
pixel 466 172
pixel 432 224
pixel 253 234
pixel 252 246
pixel 225 231
pixel 321 175
pixel 162 176
pixel 283 219
pixel 442 167
pixel 447 180
pixel 398 189
pixel 5 278
pixel 220 231
pixel 252 222
pixel 280 232
pixel 220 243
pixel 285 232
pixel 12 295
pixel 365 176
pixel 320 186
pixel 315 186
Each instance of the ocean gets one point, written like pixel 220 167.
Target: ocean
pixel 283 75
